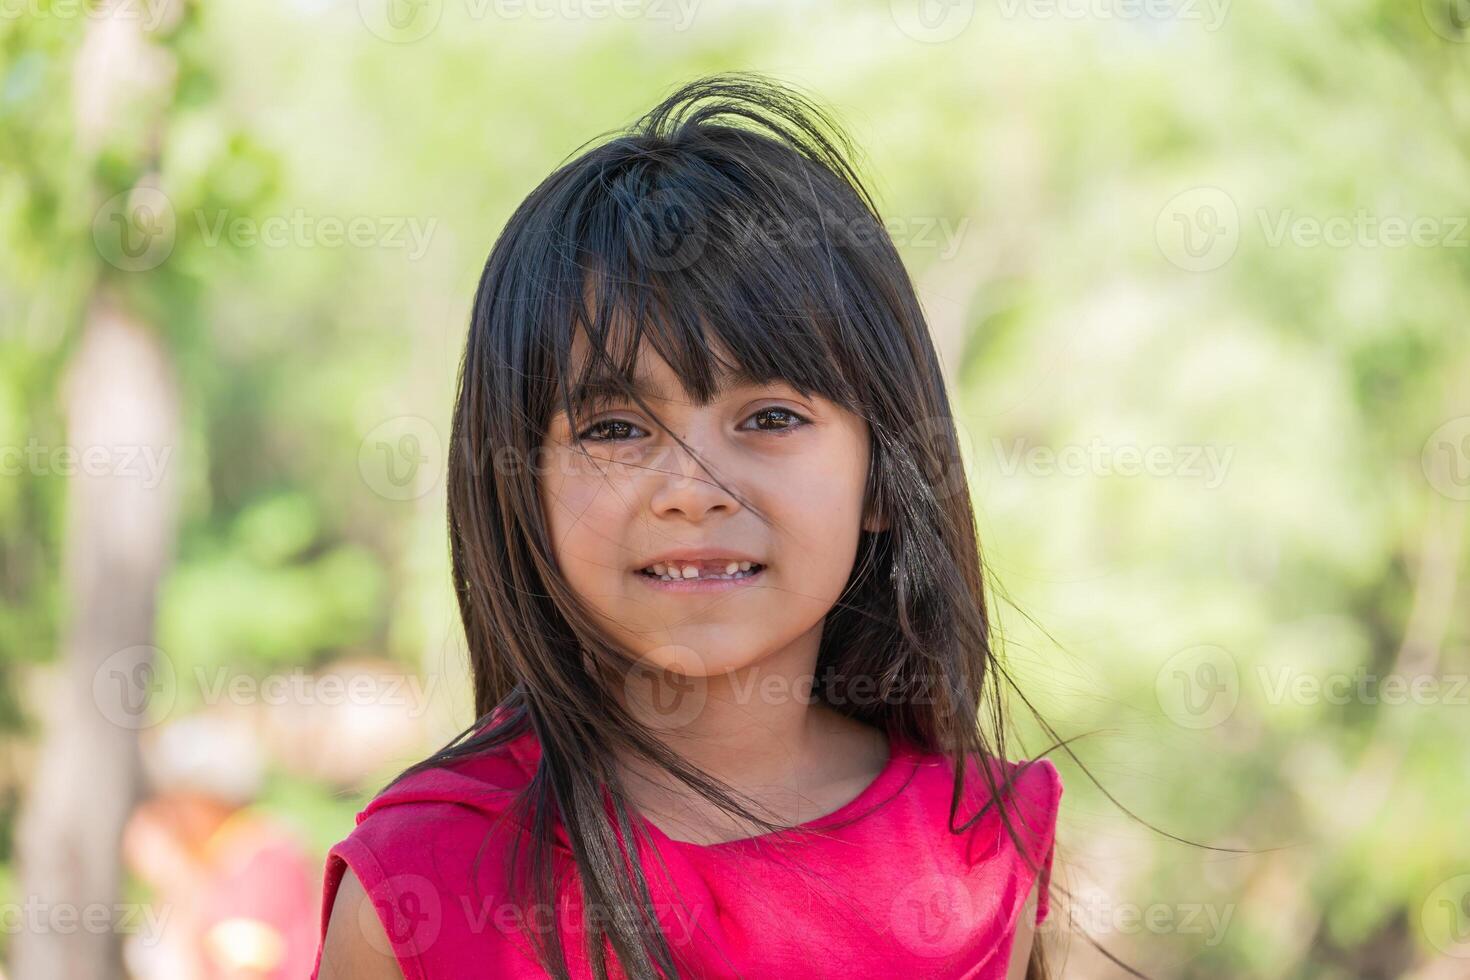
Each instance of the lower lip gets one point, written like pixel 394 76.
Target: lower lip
pixel 700 584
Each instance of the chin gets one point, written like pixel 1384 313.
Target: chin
pixel 693 659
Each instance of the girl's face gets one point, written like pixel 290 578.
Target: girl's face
pixel 801 460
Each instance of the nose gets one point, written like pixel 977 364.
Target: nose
pixel 682 487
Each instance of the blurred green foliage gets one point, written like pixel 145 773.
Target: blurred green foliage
pixel 1051 145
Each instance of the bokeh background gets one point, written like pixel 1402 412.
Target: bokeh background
pixel 1199 273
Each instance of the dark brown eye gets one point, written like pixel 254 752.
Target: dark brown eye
pixel 607 430
pixel 785 419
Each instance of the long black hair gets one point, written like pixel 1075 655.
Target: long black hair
pixel 728 217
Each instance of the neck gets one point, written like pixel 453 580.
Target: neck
pixel 757 730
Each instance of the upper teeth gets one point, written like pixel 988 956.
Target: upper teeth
pixel 676 570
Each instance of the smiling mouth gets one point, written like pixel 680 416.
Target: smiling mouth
pixel 733 571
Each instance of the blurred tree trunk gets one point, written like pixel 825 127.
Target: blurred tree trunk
pixel 122 413
pixel 120 395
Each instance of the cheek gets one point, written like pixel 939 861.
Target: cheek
pixel 821 506
pixel 580 508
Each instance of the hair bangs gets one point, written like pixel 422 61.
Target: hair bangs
pixel 740 308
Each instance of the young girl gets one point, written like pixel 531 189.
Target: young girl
pixel 739 710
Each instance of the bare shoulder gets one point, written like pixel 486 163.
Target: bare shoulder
pixel 1025 938
pixel 356 946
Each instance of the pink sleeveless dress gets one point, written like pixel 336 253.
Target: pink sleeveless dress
pixel 891 893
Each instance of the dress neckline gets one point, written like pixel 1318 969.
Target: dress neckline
pixel 903 759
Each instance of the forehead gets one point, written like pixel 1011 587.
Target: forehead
pixel 647 362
